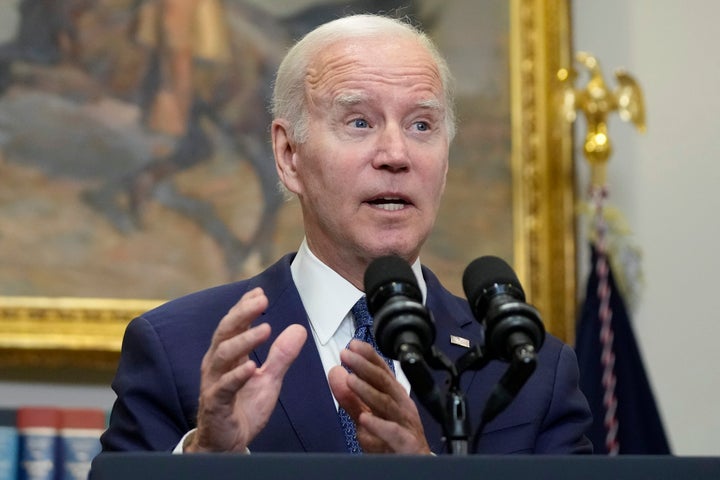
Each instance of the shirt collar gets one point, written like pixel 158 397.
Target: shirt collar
pixel 326 296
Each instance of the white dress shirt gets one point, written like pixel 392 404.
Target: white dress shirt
pixel 328 299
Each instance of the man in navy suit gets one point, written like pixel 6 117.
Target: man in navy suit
pixel 363 120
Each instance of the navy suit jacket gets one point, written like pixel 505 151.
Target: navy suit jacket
pixel 158 376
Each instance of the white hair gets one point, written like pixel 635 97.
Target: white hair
pixel 289 100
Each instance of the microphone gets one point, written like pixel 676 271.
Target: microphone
pixel 403 327
pixel 513 329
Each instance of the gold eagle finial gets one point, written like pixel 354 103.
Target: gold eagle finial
pixel 597 102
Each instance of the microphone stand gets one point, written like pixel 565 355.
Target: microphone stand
pixel 456 424
pixel 450 410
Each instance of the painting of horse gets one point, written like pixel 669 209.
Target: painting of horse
pixel 134 141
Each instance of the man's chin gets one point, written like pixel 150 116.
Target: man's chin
pixel 403 249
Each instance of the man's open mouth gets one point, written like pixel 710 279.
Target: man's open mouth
pixel 389 203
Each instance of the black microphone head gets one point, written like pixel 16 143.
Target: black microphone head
pixel 497 301
pixel 402 326
pixel 486 276
pixel 387 276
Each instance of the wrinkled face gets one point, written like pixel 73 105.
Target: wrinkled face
pixel 372 171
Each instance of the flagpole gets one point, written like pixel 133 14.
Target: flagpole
pixel 596 101
pixel 607 359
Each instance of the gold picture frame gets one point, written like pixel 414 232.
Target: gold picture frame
pixel 542 162
pixel 86 333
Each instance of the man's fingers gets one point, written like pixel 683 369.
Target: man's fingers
pixel 371 363
pixel 240 316
pixel 233 339
pixel 389 420
pixel 373 381
pixel 337 378
pixel 387 435
pixel 223 391
pixel 284 351
pixel 379 401
pixel 230 352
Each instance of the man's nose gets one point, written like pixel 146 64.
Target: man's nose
pixel 392 149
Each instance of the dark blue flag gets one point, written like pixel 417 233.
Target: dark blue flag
pixel 626 418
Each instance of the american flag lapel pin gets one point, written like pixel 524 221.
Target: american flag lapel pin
pixel 460 341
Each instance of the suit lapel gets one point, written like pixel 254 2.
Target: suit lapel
pixel 305 397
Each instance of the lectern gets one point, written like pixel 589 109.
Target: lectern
pixel 161 466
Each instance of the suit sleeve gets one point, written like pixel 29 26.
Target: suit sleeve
pixel 147 414
pixel 568 416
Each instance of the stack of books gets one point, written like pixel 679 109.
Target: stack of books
pixel 49 443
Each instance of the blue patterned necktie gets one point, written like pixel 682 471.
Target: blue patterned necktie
pixel 363 332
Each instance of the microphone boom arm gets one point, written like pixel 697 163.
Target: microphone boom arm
pixel 522 365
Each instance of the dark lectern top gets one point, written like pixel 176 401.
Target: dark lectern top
pixel 160 466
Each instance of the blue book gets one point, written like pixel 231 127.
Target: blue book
pixel 80 431
pixel 9 454
pixel 38 442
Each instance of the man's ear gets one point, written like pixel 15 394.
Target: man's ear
pixel 285 152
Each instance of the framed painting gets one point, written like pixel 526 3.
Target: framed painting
pixel 135 164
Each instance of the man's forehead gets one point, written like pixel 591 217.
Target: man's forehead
pixel 395 57
pixel 356 71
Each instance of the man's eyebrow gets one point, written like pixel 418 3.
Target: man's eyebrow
pixel 432 104
pixel 349 99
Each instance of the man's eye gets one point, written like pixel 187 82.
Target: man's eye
pixel 422 126
pixel 360 123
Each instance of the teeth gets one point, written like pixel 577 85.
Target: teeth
pixel 391 207
pixel 390 204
